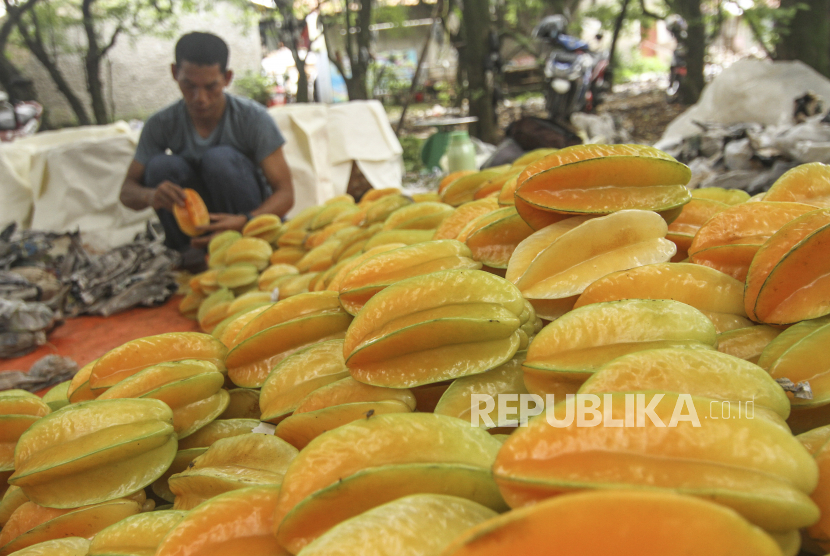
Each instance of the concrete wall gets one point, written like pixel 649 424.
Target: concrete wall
pixel 136 73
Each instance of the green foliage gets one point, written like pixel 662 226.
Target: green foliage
pixel 411 153
pixel 770 24
pixel 255 86
pixel 638 65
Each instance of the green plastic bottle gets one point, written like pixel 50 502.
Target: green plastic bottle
pixel 461 153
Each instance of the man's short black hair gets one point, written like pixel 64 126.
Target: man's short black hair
pixel 203 49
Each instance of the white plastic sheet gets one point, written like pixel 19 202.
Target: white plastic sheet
pixel 71 179
pixel 750 91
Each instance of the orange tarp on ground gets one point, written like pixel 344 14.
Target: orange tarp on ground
pixel 86 338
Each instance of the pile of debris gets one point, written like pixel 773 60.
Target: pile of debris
pixel 754 122
pixel 45 277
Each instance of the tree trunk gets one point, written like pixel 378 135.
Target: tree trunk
pixel 18 86
pixel 34 42
pixel 807 37
pixel 476 28
pixel 92 62
pixel 359 59
pixel 613 51
pixel 692 86
pixel 302 80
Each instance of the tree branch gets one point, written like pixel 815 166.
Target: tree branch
pixel 111 43
pixel 14 13
pixel 753 26
pixel 647 13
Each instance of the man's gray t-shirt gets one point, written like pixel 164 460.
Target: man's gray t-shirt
pixel 245 126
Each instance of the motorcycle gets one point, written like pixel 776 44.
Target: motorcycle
pixel 18 118
pixel 677 26
pixel 575 76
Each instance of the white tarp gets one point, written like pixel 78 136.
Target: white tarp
pixel 71 179
pixel 749 91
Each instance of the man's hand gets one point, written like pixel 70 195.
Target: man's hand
pixel 166 195
pixel 219 222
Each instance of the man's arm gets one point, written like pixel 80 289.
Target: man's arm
pixel 278 175
pixel 137 197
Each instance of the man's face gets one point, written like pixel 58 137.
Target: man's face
pixel 202 88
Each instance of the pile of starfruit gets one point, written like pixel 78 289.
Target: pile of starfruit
pixel 570 354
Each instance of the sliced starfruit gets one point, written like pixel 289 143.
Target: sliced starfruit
pixel 318 259
pixel 715 294
pixel 666 444
pixel 214 309
pixel 505 380
pixel 222 240
pixel 298 375
pixel 135 355
pixel 338 403
pixel 31 524
pixel 79 390
pixel 496 238
pixel 600 179
pixel 347 265
pixel 375 273
pixel 404 527
pixel 789 278
pixel 729 240
pixel 494 186
pixel 135 535
pixel 302 220
pixel 19 410
pixel 289 325
pixel 705 373
pixel 807 183
pixel 384 440
pixel 621 522
pixel 329 212
pixel 407 237
pixel 191 388
pixel 229 464
pixel 12 499
pixel 557 263
pixel 94 451
pixel 243 404
pixel 570 349
pixel 817 536
pixel 694 215
pixel 806 360
pixel 418 216
pixel 726 196
pixel 435 327
pixel 380 210
pixel 463 189
pixel 286 255
pixel 747 343
pixel 236 522
pixel 353 244
pixel 227 330
pixel 251 250
pixel 330 232
pixel 451 177
pixel 464 214
pixel 197 444
pixel 69 546
pixel 193 214
pixel 263 226
pixel 190 303
pixel 301 428
pixel 295 285
pixel 237 275
pixel 787 339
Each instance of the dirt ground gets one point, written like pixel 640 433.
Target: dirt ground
pixel 645 114
pixel 639 108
